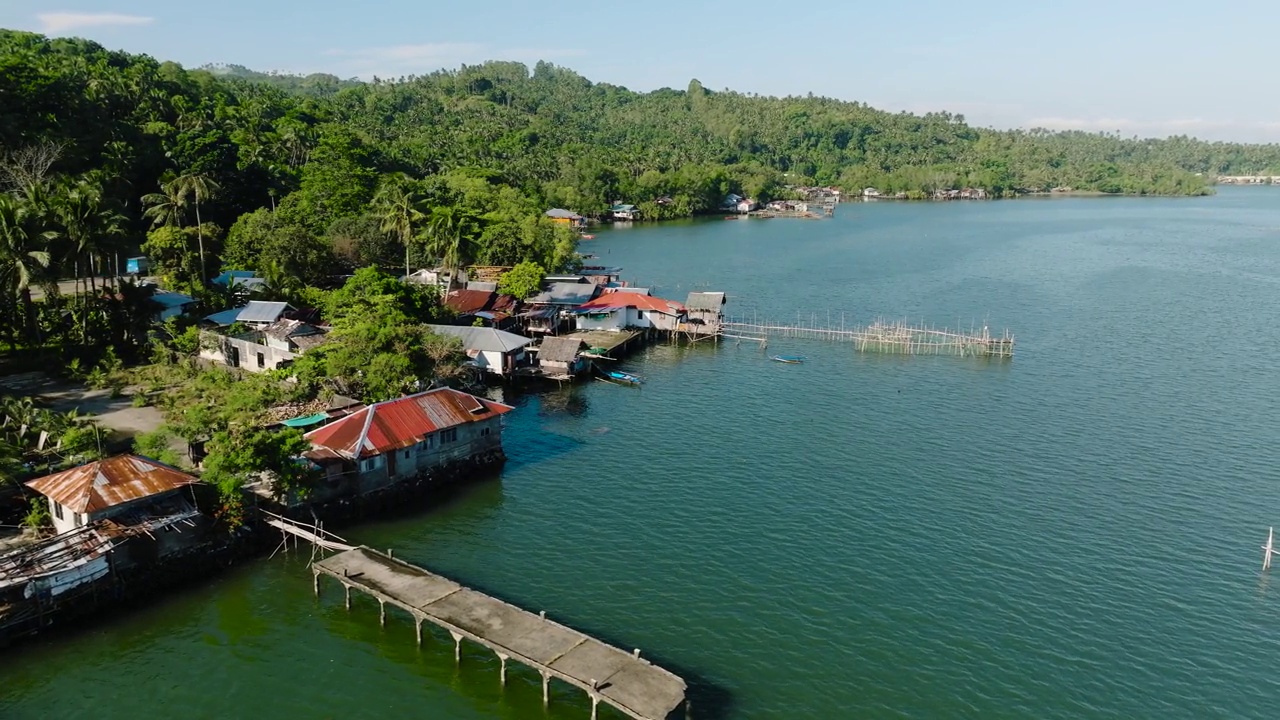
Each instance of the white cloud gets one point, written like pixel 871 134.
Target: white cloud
pixel 395 60
pixel 59 22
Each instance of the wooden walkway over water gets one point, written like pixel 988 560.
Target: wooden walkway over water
pixel 624 680
pixel 884 337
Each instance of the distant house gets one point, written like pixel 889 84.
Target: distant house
pixel 439 277
pixel 561 356
pixel 113 488
pixel 731 201
pixel 747 205
pixel 567 217
pixel 243 279
pixel 491 307
pixel 270 342
pixel 543 312
pixel 624 212
pixel 399 439
pixel 601 275
pixel 870 192
pixel 171 304
pixel 491 350
pixel 622 310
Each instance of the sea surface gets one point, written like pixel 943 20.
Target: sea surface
pixel 1071 534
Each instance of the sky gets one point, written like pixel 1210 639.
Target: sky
pixel 1131 66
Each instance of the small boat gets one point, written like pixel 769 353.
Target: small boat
pixel 589 256
pixel 789 359
pixel 588 237
pixel 622 377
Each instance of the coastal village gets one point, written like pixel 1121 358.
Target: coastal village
pixel 127 523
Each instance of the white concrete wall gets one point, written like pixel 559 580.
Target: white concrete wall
pixel 220 353
pixel 615 320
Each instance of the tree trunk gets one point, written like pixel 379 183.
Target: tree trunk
pixel 204 275
pixel 406 255
pixel 29 315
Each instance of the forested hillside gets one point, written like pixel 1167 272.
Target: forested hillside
pixel 302 176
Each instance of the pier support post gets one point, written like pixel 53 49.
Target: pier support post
pixel 457 646
pixel 688 710
pixel 315 583
pixel 595 702
pixel 346 595
pixel 502 670
pixel 1267 550
pixel 546 696
pixel 382 612
pixel 417 625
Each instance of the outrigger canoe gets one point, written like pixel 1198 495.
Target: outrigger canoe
pixel 623 377
pixel 789 359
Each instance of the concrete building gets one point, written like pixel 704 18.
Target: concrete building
pixel 629 310
pixel 398 439
pixel 493 351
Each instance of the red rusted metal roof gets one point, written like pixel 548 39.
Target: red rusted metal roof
pixel 400 423
pixel 110 482
pixel 615 300
pixel 465 302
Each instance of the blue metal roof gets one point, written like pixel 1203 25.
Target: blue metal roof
pixel 224 318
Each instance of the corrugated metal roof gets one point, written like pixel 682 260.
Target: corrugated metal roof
pixel 565 293
pixel 171 299
pixel 110 482
pixel 260 311
pixel 400 423
pixel 224 318
pixel 229 277
pixel 618 300
pixel 482 286
pixel 470 301
pixel 285 328
pixel 563 214
pixel 559 349
pixel 705 301
pixel 483 338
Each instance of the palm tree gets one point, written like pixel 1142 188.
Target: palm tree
pixel 89 224
pixel 165 207
pixel 396 207
pixel 451 233
pixel 23 254
pixel 200 187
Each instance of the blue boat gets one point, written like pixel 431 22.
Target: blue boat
pixel 622 377
pixel 789 359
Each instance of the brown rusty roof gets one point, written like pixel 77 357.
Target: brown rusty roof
pixel 465 302
pixel 400 423
pixel 110 482
pixel 559 349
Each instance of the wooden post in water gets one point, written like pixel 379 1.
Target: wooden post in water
pixel 502 671
pixel 346 591
pixel 417 624
pixel 1267 549
pixel 546 696
pixel 382 612
pixel 457 647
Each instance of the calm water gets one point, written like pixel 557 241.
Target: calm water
pixel 1073 534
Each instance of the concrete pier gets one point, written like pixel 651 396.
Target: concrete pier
pixel 624 680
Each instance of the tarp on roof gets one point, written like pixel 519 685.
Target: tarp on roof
pixel 306 420
pixel 228 278
pixel 483 338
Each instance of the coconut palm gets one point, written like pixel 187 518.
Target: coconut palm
pixel 199 187
pixel 451 234
pixel 24 254
pixel 166 207
pixel 396 207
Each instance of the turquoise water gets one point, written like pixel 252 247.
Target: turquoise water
pixel 1071 534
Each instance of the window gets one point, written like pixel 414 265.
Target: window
pixel 450 435
pixel 369 464
pixel 57 510
pixel 262 360
pixel 406 454
pixel 426 443
pixel 485 431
